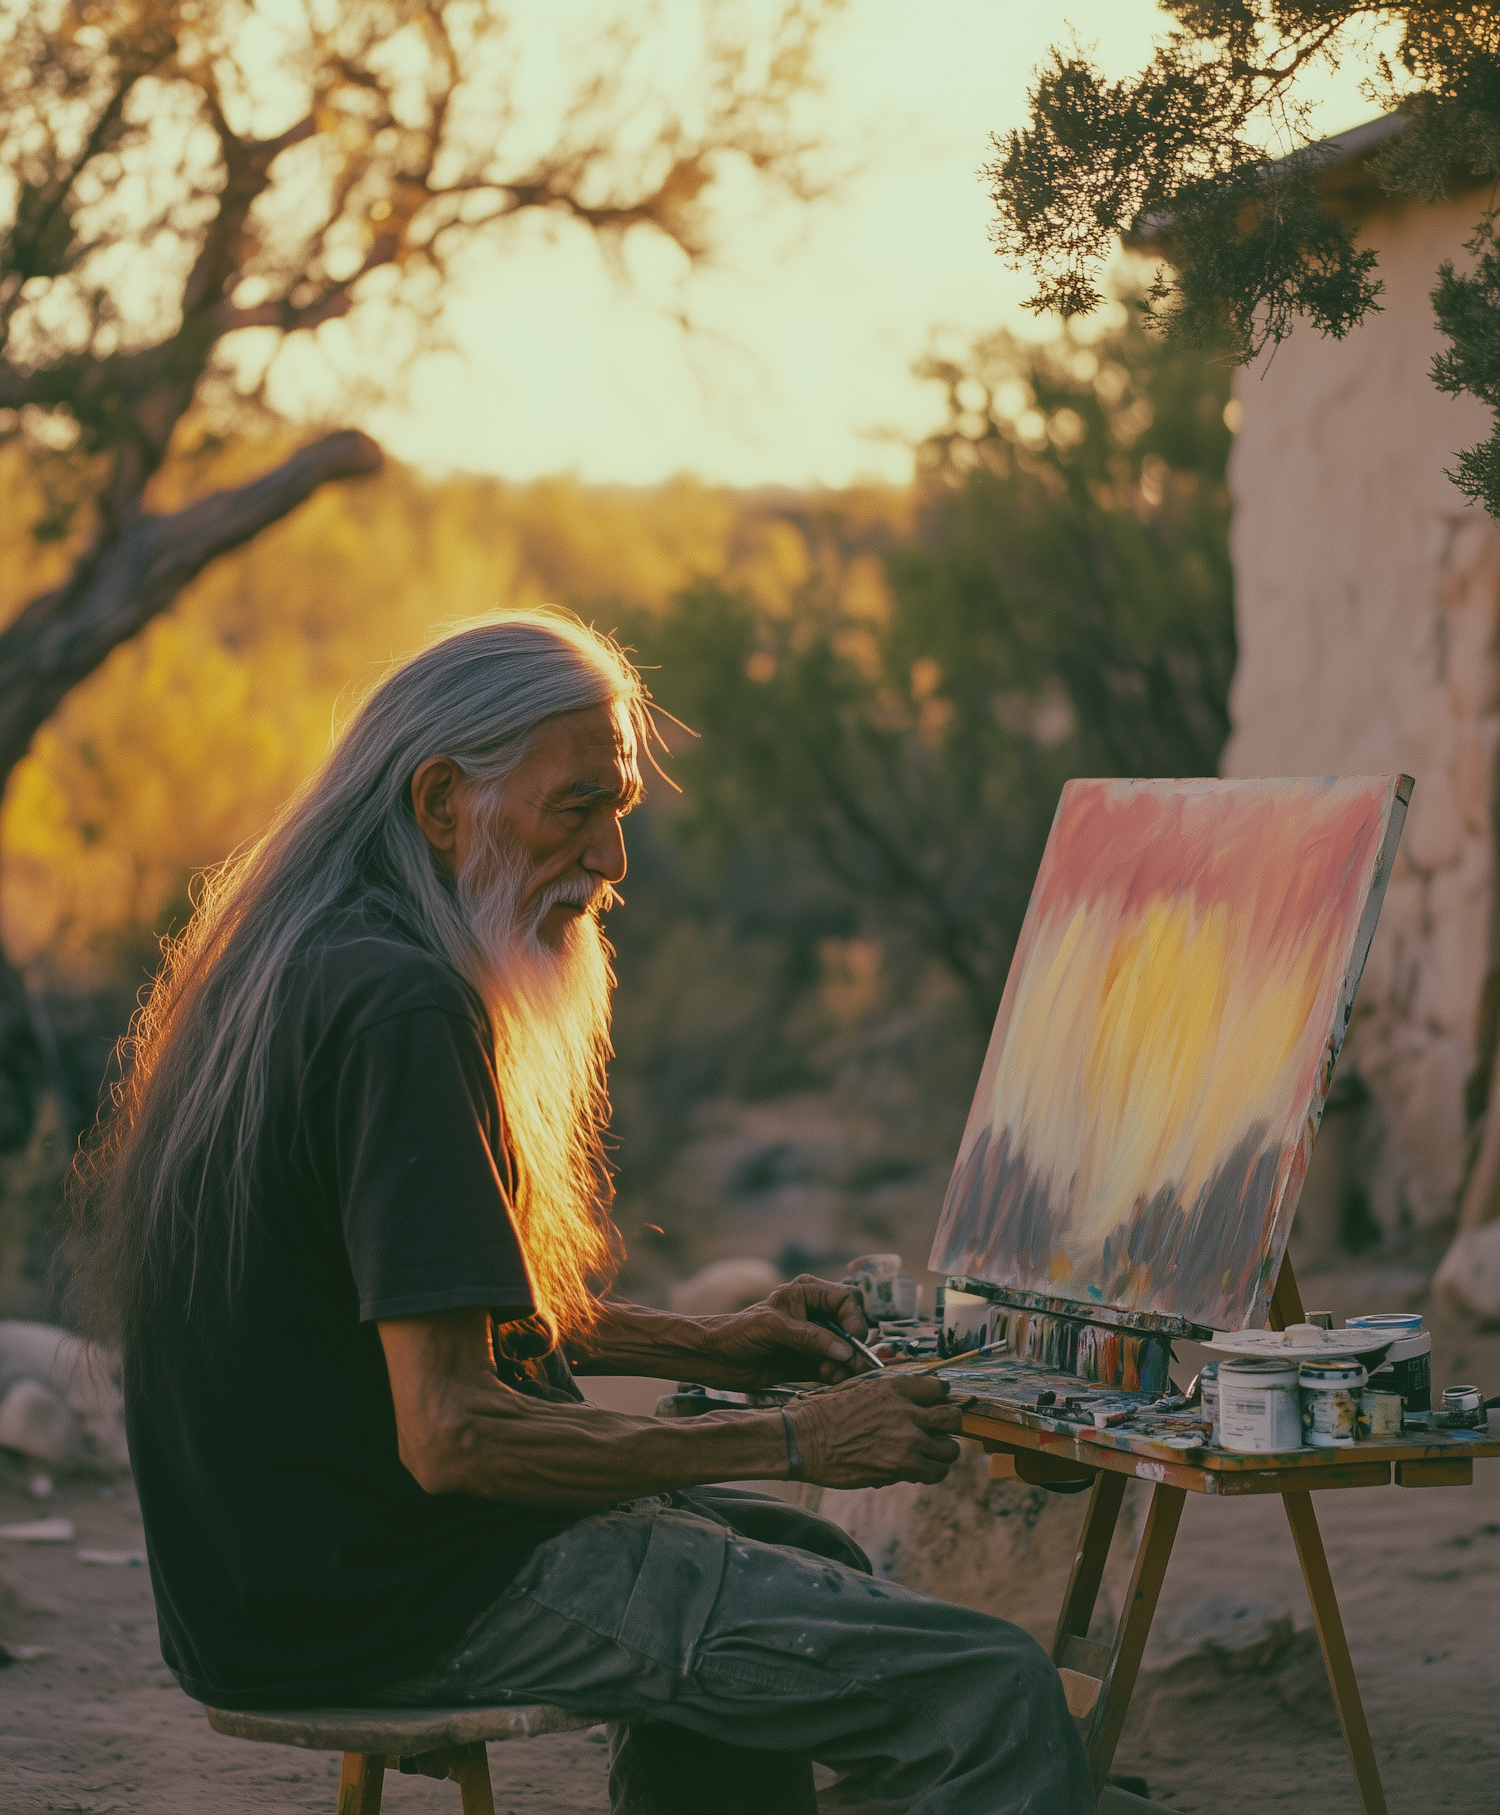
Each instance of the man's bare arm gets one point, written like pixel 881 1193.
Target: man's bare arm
pixel 760 1346
pixel 461 1431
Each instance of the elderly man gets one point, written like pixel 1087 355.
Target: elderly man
pixel 350 1227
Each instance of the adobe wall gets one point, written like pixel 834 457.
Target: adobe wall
pixel 1367 595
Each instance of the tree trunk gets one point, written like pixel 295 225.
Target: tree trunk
pixel 61 637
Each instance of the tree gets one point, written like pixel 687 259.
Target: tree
pixel 1182 146
pixel 1064 608
pixel 195 185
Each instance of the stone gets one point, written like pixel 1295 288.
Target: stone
pixel 1469 1278
pixel 82 1378
pixel 725 1285
pixel 36 1423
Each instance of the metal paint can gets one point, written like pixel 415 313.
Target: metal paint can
pixel 1410 1361
pixel 1208 1387
pixel 1258 1406
pixel 1330 1401
pixel 1463 1409
pixel 1388 1323
pixel 1379 1414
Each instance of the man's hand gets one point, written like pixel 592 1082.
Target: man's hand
pixel 877 1432
pixel 776 1339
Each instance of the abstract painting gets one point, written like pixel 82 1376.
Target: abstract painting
pixel 1157 1071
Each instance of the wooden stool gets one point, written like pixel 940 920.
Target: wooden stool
pixel 449 1741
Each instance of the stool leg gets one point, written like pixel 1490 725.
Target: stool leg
pixel 360 1783
pixel 471 1766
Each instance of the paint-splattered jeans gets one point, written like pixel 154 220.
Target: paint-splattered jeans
pixel 726 1663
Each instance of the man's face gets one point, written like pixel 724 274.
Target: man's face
pixel 561 813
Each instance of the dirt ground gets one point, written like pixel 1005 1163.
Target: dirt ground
pixel 96 1726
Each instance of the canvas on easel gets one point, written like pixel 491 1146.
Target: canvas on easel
pixel 1163 1049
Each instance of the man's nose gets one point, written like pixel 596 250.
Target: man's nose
pixel 605 855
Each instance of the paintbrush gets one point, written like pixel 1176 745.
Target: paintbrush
pixel 837 1329
pixel 906 1371
pixel 951 1361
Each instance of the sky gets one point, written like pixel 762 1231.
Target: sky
pixel 799 372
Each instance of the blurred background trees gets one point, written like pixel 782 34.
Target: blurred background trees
pixel 888 687
pixel 213 211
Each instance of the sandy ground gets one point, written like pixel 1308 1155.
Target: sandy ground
pixel 97 1725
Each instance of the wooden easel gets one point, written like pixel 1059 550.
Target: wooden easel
pixel 1098 1678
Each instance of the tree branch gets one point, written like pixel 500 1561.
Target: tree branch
pixel 119 586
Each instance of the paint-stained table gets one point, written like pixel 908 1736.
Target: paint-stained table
pixel 1100 1678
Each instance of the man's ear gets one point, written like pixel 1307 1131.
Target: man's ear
pixel 434 799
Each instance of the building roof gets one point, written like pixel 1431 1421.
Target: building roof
pixel 1345 180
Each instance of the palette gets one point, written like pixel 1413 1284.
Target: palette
pixel 1013 1386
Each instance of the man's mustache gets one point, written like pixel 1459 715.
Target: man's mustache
pixel 596 900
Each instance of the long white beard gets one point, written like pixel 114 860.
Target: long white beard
pixel 550 1009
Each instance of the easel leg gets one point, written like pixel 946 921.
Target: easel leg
pixel 1309 1541
pixel 1130 1642
pixel 360 1783
pixel 1088 1566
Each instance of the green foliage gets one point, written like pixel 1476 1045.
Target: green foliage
pixel 1064 608
pixel 1179 152
pixel 1468 306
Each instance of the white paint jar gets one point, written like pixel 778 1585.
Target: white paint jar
pixel 1259 1411
pixel 1330 1401
pixel 968 1321
pixel 1379 1415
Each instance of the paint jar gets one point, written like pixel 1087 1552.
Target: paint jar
pixel 1409 1358
pixel 967 1321
pixel 904 1295
pixel 1388 1323
pixel 1463 1409
pixel 1379 1414
pixel 1258 1406
pixel 1330 1401
pixel 1208 1387
pixel 874 1277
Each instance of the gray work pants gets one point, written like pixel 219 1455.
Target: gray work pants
pixel 664 1617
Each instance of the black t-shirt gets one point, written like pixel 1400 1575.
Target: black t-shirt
pixel 293 1557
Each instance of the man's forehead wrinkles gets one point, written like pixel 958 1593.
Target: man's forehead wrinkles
pixel 624 787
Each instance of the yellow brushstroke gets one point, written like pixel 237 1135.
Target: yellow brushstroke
pixel 1139 1052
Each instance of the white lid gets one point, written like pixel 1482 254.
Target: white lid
pixel 1257 1373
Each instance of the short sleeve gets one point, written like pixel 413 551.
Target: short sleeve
pixel 427 1220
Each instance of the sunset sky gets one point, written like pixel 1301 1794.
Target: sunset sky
pixel 812 327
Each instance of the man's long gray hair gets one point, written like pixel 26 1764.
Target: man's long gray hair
pixel 164 1195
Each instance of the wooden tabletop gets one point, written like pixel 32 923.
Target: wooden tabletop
pixel 1420 1459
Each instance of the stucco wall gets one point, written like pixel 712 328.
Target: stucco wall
pixel 1366 601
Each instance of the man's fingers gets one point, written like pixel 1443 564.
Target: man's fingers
pixel 941 1418
pixel 921 1389
pixel 939 1448
pixel 839 1304
pixel 811 1339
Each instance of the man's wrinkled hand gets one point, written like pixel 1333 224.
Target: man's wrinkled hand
pixel 878 1432
pixel 777 1340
